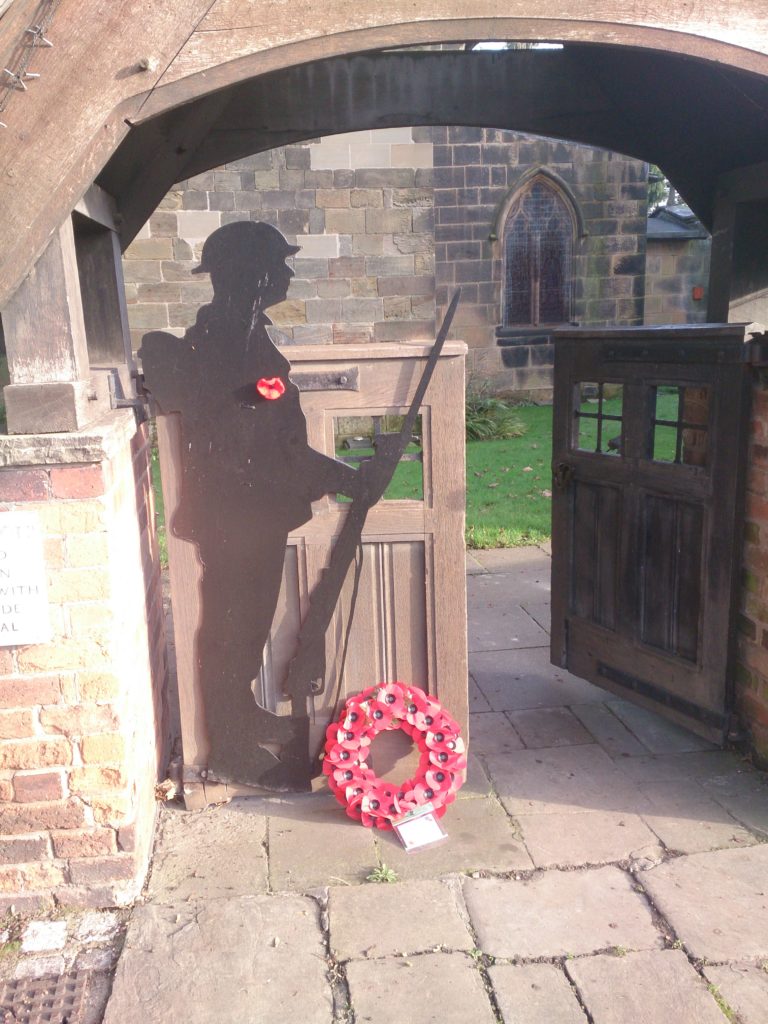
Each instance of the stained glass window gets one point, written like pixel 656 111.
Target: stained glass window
pixel 538 251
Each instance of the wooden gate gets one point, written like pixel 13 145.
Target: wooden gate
pixel 410 615
pixel 649 443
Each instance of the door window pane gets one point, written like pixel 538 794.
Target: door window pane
pixel 599 417
pixel 680 424
pixel 355 439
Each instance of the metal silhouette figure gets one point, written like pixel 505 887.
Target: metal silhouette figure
pixel 249 476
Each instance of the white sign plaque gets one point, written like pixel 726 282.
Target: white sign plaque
pixel 24 617
pixel 419 828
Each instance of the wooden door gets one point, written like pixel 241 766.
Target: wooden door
pixel 649 441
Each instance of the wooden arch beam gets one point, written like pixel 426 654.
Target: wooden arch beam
pixel 695 119
pixel 118 63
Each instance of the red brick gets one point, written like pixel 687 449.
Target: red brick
pixel 93 842
pixel 126 838
pixel 87 549
pixel 26 877
pixel 74 721
pixel 38 786
pixel 26 691
pixel 67 655
pixel 756 508
pixel 87 897
pixel 754 710
pixel 98 686
pixel 6 791
pixel 24 485
pixel 111 811
pixel 102 869
pixel 6 662
pixel 23 849
pixel 16 725
pixel 34 753
pixel 77 481
pixel 69 585
pixel 96 779
pixel 107 749
pixel 53 550
pixel 26 904
pixel 16 819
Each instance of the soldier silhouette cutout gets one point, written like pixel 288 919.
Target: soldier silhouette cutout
pixel 248 478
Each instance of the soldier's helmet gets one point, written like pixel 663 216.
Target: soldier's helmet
pixel 243 245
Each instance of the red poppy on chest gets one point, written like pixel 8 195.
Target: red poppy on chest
pixel 270 387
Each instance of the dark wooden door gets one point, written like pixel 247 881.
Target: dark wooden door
pixel 649 439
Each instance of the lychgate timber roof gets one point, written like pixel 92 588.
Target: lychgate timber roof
pixel 140 93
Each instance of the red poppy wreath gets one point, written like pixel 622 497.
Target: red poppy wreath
pixel 374 801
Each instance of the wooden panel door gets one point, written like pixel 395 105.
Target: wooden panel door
pixel 409 619
pixel 649 442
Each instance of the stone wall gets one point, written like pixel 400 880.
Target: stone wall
pixel 82 718
pixel 372 215
pixel 359 205
pixel 476 170
pixel 677 281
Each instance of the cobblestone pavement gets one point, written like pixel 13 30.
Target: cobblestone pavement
pixel 602 866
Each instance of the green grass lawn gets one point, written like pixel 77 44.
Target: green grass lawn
pixel 508 484
pixel 509 500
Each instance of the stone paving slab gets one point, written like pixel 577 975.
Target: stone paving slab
pixel 540 612
pixel 531 559
pixel 744 795
pixel 497 622
pixel 515 681
pixel 473 566
pixel 716 902
pixel 549 727
pixel 609 731
pixel 559 913
pixel 477 783
pixel 312 843
pixel 248 958
pixel 215 852
pixel 658 734
pixel 687 820
pixel 653 987
pixel 378 920
pixel 744 989
pixel 700 765
pixel 480 838
pixel 535 994
pixel 477 701
pixel 491 732
pixel 593 837
pixel 563 779
pixel 436 988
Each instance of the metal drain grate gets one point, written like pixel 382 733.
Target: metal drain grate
pixel 50 1000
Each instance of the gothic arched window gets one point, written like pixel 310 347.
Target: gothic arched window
pixel 538 254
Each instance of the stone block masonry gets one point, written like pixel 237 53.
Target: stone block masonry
pixel 476 172
pixel 360 207
pixel 677 277
pixel 83 723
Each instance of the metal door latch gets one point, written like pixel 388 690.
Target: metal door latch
pixel 562 475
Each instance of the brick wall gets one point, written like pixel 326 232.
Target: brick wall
pixel 82 722
pixel 476 169
pixel 673 270
pixel 752 667
pixel 360 206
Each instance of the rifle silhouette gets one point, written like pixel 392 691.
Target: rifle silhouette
pixel 306 672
